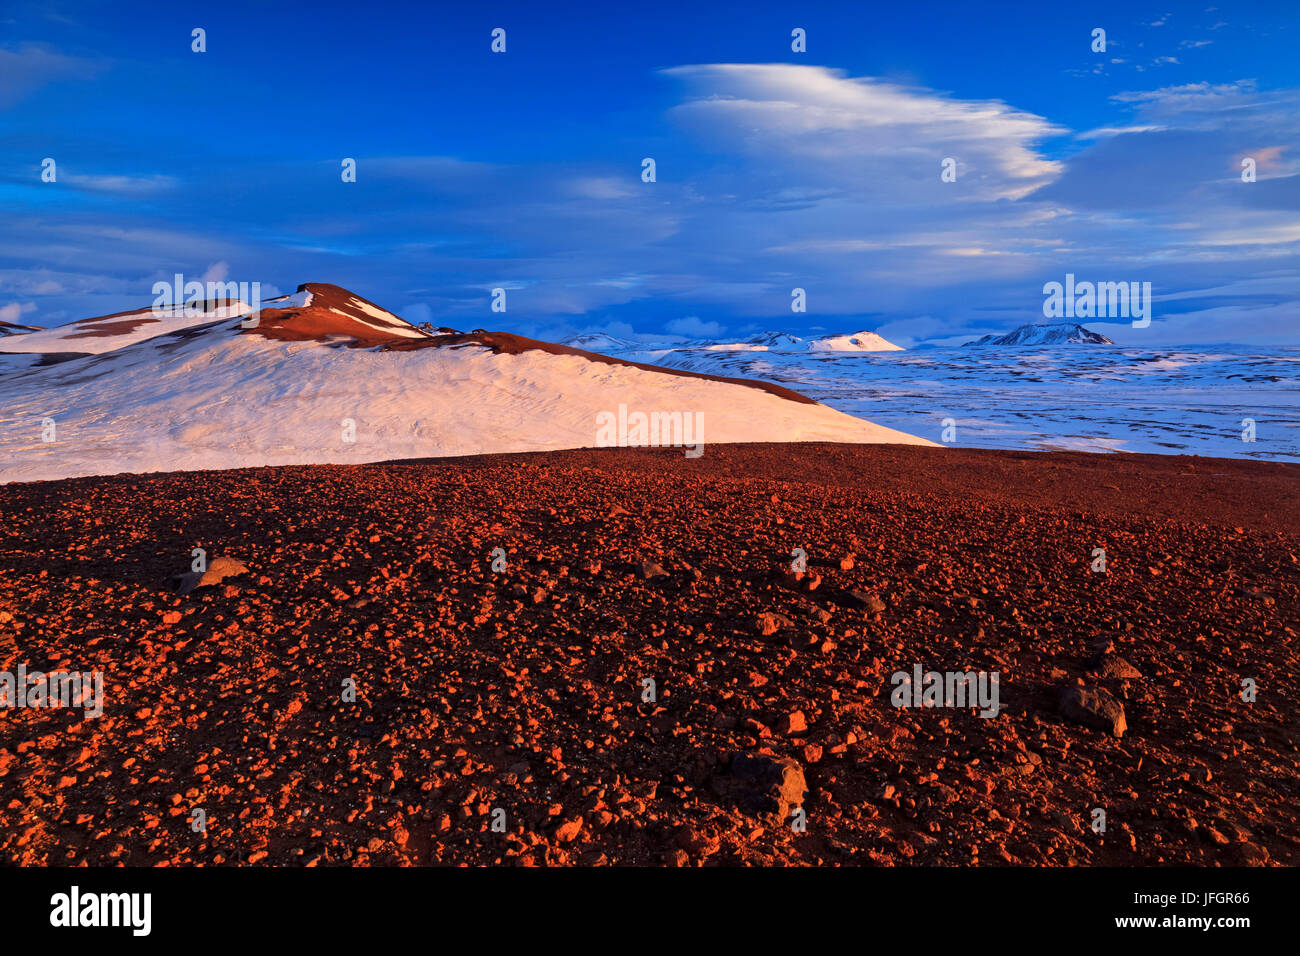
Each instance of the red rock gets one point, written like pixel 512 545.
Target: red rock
pixel 794 723
pixel 568 831
pixel 768 624
pixel 1094 707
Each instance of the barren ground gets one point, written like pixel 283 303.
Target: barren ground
pixel 522 690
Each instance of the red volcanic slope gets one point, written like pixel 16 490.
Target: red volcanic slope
pixel 522 689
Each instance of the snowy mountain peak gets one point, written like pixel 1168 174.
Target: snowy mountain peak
pixel 786 342
pixel 320 310
pixel 852 342
pixel 317 310
pixel 1062 333
pixel 855 342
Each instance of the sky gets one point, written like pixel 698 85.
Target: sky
pixel 774 169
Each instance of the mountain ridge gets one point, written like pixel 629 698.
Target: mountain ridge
pixel 766 341
pixel 1054 333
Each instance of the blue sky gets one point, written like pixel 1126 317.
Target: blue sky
pixel 775 169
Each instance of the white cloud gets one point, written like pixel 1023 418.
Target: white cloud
pixel 119 185
pixel 14 311
pixel 1102 132
pixel 693 326
pixel 27 68
pixel 864 135
pixel 217 272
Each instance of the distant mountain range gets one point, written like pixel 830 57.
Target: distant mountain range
pixel 762 342
pixel 1062 333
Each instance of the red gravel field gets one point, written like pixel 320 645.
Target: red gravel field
pixel 631 657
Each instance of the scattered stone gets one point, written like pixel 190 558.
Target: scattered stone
pixel 794 723
pixel 518 712
pixel 220 569
pixel 1252 855
pixel 767 785
pixel 1114 666
pixel 1215 836
pixel 1093 707
pixel 768 624
pixel 568 831
pixel 871 603
pixel 649 570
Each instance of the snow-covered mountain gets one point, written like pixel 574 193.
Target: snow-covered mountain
pixel 762 342
pixel 856 342
pixel 785 342
pixel 1062 333
pixel 326 376
pixel 598 342
pixel 106 333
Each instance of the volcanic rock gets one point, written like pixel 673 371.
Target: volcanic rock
pixel 871 603
pixel 794 723
pixel 766 785
pixel 649 570
pixel 1093 707
pixel 768 624
pixel 1114 666
pixel 220 569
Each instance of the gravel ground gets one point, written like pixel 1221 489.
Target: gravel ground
pixel 503 715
